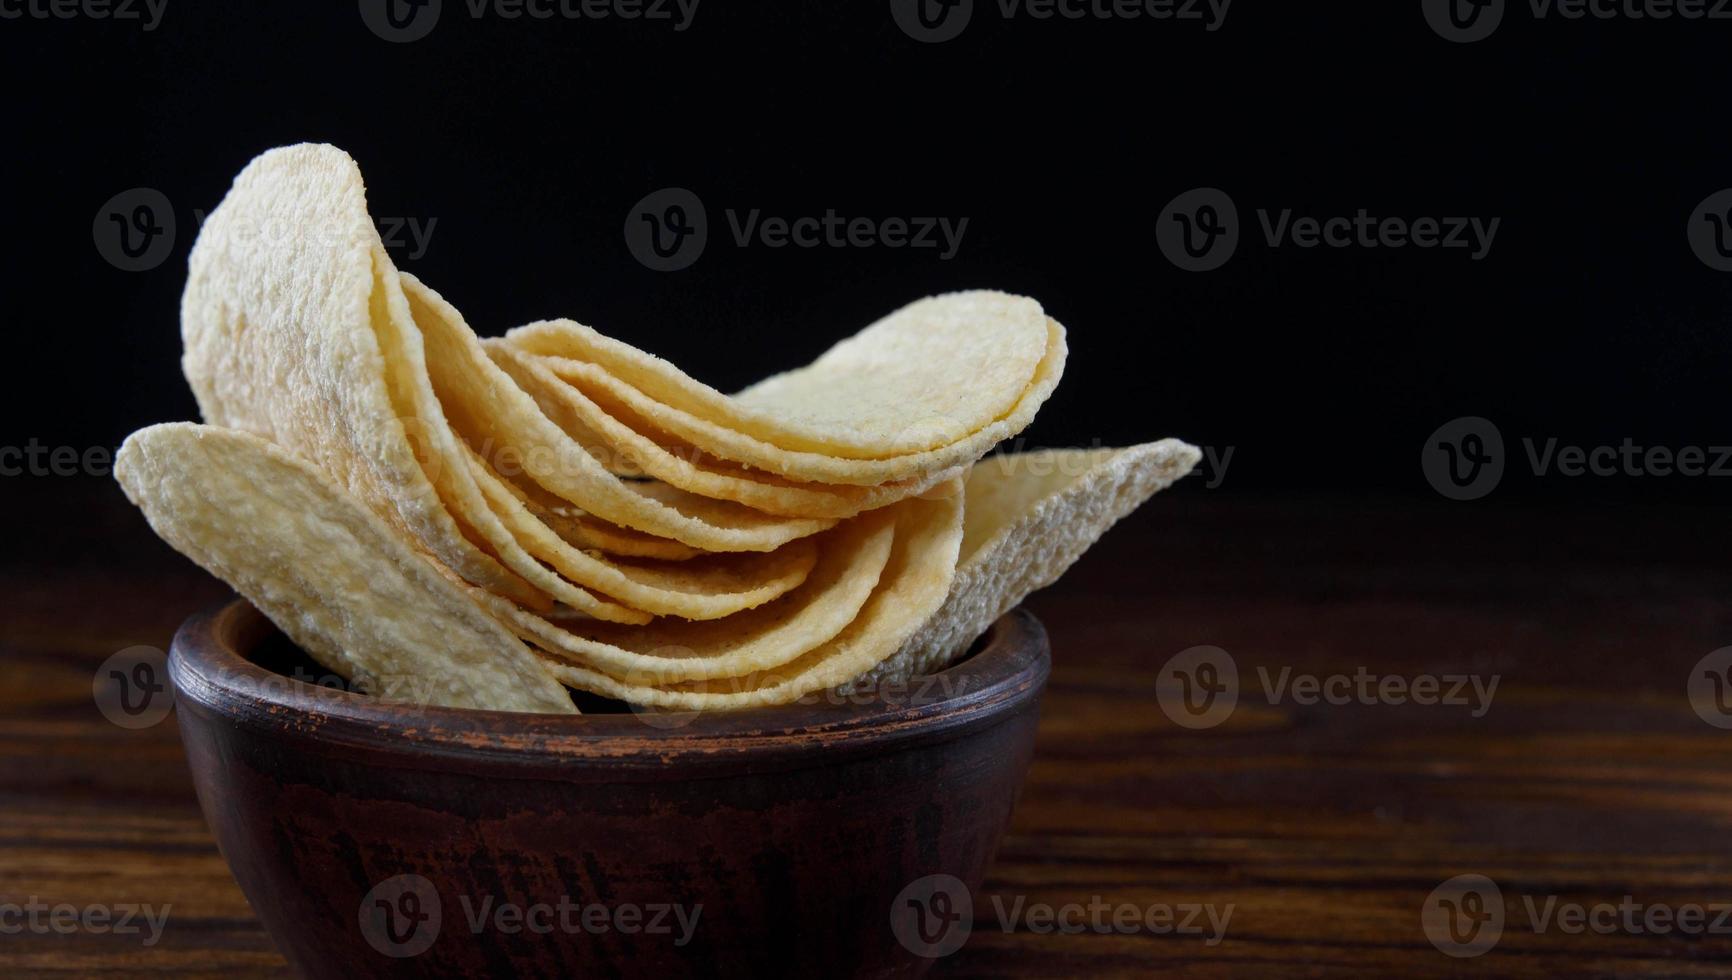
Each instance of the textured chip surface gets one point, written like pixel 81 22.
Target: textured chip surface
pixel 890 390
pixel 328 571
pixel 1029 517
pixel 913 585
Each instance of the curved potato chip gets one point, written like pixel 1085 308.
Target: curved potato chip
pixel 960 448
pixel 487 406
pixel 705 588
pixel 619 433
pixel 446 461
pixel 851 559
pixel 327 570
pixel 914 380
pixel 1030 516
pixel 283 289
pixel 582 530
pixel 915 579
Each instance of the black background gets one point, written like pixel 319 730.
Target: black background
pixel 528 141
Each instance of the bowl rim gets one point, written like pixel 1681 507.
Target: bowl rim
pixel 215 678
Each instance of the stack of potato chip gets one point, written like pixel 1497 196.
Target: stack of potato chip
pixel 556 507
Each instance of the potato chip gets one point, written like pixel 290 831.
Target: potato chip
pixel 445 459
pixel 486 406
pixel 706 588
pixel 1030 516
pixel 913 381
pixel 912 586
pixel 284 286
pixel 852 556
pixel 401 497
pixel 697 435
pixel 615 433
pixel 581 530
pixel 332 575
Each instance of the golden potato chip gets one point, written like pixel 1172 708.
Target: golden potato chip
pixel 583 530
pixel 695 434
pixel 284 288
pixel 852 556
pixel 446 462
pixel 486 406
pixel 614 433
pixel 705 588
pixel 913 584
pixel 328 571
pixel 915 380
pixel 401 498
pixel 1030 516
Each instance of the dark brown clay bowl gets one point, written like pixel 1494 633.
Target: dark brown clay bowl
pixel 377 838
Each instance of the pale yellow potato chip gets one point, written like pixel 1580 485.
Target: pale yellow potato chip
pixel 912 586
pixel 284 288
pixel 488 408
pixel 698 435
pixel 704 588
pixel 852 556
pixel 583 530
pixel 1030 516
pixel 614 434
pixel 918 379
pixel 446 461
pixel 333 576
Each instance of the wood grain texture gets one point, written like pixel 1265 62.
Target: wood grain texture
pixel 1325 827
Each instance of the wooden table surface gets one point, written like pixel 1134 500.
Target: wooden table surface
pixel 1317 831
